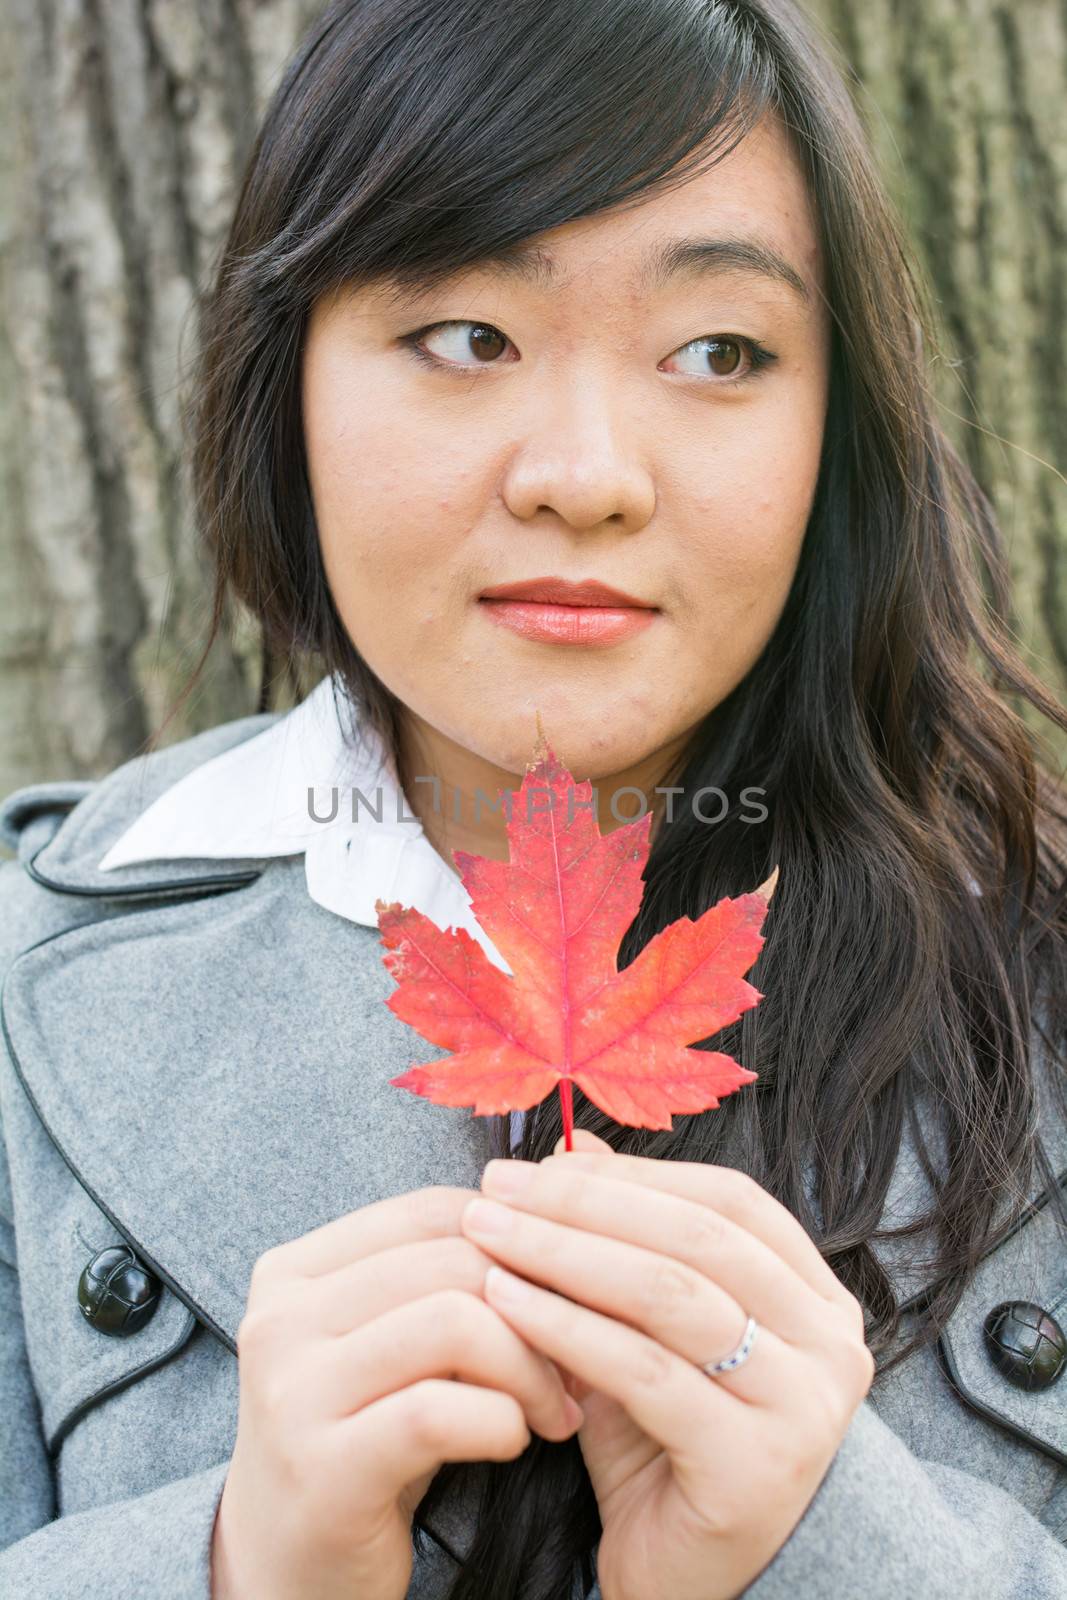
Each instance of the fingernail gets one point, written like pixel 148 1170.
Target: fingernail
pixel 482 1216
pixel 506 1287
pixel 508 1177
pixel 575 1414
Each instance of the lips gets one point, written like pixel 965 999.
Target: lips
pixel 563 592
pixel 557 612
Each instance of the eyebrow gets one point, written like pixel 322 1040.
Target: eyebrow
pixel 671 259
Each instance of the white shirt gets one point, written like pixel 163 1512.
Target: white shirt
pixel 253 801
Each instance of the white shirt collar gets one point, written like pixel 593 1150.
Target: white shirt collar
pixel 252 801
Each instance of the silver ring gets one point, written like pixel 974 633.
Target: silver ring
pixel 731 1362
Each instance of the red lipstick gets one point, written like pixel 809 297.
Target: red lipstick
pixel 558 611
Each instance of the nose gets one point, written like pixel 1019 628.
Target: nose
pixel 579 461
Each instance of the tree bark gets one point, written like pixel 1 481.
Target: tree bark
pixel 966 103
pixel 125 126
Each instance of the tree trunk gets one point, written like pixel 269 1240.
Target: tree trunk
pixel 966 103
pixel 126 124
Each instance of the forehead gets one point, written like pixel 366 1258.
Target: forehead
pixel 750 211
pixel 745 216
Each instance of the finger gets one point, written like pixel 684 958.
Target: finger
pixel 681 1241
pixel 654 1294
pixel 360 1290
pixel 732 1194
pixel 584 1141
pixel 454 1335
pixel 687 1413
pixel 337 1302
pixel 427 1213
pixel 415 1430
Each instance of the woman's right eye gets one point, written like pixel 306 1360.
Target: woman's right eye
pixel 479 341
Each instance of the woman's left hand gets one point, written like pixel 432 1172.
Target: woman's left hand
pixel 636 1271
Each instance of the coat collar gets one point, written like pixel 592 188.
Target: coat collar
pixel 216 1072
pixel 316 782
pixel 215 836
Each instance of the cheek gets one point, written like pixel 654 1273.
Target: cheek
pixel 379 464
pixel 395 496
pixel 747 527
pixel 391 508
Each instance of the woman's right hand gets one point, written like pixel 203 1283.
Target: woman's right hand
pixel 350 1339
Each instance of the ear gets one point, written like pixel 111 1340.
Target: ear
pixel 582 1139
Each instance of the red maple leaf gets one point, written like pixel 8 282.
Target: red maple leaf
pixel 557 910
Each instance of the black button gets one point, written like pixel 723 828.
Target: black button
pixel 1025 1343
pixel 116 1293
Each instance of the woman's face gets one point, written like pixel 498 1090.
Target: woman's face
pixel 602 425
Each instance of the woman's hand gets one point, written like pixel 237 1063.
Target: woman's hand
pixel 349 1353
pixel 650 1268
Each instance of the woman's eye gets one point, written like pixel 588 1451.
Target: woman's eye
pixel 726 357
pixel 458 344
pixel 722 359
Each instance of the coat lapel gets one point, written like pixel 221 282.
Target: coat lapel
pixel 216 1072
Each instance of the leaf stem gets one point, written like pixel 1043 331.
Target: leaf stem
pixel 568 1112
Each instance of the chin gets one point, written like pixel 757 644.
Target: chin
pixel 586 757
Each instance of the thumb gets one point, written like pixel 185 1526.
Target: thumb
pixel 582 1139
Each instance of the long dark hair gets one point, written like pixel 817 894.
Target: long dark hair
pixel 407 139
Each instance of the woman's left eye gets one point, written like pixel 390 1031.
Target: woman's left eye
pixel 729 351
pixel 724 358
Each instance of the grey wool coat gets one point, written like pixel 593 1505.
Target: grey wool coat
pixel 195 1066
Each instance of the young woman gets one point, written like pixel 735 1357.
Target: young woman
pixel 521 296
